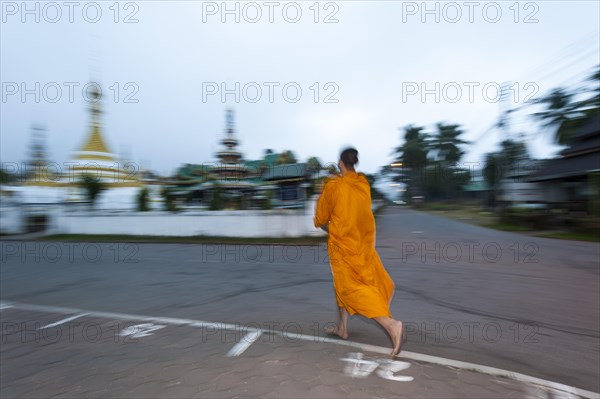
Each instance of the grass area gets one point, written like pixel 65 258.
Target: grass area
pixel 565 235
pixel 306 240
pixel 477 215
pixel 508 227
pixel 465 213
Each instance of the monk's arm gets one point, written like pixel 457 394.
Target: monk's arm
pixel 323 211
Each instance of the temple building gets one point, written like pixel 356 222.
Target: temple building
pixel 230 178
pixel 51 183
pixel 94 158
pixel 236 183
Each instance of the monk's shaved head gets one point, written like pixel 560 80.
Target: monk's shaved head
pixel 349 157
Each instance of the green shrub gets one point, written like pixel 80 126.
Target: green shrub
pixel 143 198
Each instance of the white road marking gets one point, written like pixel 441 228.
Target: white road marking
pixel 417 232
pixel 5 306
pixel 388 369
pixel 244 343
pixel 68 319
pixel 365 347
pixel 140 330
pixel 358 367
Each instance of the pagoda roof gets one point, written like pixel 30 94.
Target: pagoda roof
pixel 95 142
pixel 286 171
pixel 271 159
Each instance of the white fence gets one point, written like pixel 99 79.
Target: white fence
pixel 207 223
pixel 64 219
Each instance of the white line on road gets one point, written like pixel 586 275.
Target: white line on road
pixel 140 330
pixel 452 363
pixel 365 347
pixel 68 319
pixel 244 343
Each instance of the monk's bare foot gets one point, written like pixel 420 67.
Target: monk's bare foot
pixel 397 337
pixel 337 331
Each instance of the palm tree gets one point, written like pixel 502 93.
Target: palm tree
pixel 446 142
pixel 443 179
pixel 413 153
pixel 499 164
pixel 594 100
pixel 566 115
pixel 560 108
pixel 412 157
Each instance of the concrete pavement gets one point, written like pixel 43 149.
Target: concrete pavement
pixel 524 304
pixel 67 353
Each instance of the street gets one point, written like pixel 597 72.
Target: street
pixel 525 304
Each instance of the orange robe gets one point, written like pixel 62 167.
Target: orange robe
pixel 361 283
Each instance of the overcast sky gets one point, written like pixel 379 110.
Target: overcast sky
pixel 369 62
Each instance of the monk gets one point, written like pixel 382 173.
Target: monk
pixel 361 283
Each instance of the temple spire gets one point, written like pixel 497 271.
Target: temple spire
pixel 95 147
pixel 229 155
pixel 229 123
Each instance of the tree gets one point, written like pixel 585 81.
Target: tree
pixel 143 198
pixel 594 100
pixel 375 194
pixel 512 153
pixel 92 186
pixel 6 177
pixel 566 115
pixel 267 204
pixel 286 157
pixel 332 169
pixel 216 202
pixel 446 143
pixel 411 157
pixel 313 165
pixel 560 108
pixel 498 165
pixel 168 199
pixel 413 153
pixel 444 179
pixel 491 174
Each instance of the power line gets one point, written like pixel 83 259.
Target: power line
pixel 564 54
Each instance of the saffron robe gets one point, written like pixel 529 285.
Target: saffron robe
pixel 361 283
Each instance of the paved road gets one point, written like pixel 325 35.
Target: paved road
pixel 102 355
pixel 530 305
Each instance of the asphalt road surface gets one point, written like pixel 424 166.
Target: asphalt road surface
pixel 530 305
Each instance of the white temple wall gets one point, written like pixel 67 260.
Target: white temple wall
pixel 11 220
pixel 65 219
pixel 207 223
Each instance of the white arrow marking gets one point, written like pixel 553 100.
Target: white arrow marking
pixel 140 330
